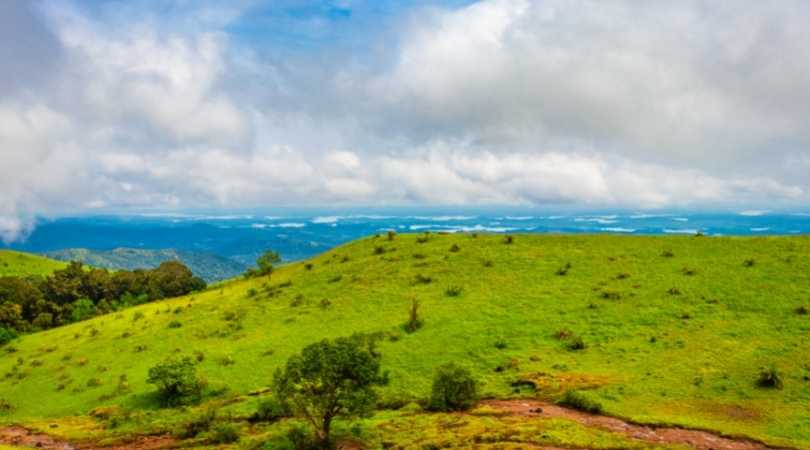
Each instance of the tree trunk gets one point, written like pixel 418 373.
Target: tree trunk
pixel 323 434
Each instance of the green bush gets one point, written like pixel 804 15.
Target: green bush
pixel 453 291
pixel 575 343
pixel 270 410
pixel 177 382
pixel 82 309
pixel 454 389
pixel 201 423
pixel 580 401
pixel 7 335
pixel 224 433
pixel 769 377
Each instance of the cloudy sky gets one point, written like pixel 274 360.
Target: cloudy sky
pixel 171 104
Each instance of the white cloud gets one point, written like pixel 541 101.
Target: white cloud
pixel 502 102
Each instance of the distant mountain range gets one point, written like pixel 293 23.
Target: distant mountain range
pixel 207 266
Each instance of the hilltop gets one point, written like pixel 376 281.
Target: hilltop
pixel 18 264
pixel 673 330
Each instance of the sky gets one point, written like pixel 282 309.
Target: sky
pixel 173 104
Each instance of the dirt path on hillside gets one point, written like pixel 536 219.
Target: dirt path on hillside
pixel 23 437
pixel 702 440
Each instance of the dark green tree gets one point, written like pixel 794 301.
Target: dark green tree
pixel 177 382
pixel 266 262
pixel 330 379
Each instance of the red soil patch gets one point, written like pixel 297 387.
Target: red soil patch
pixel 23 437
pixel 702 440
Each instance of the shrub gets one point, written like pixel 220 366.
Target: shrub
pixel 325 303
pixel 308 266
pixel 575 343
pixel 667 254
pixel 199 424
pixel 674 291
pixel 177 382
pixel 500 344
pixel 336 278
pixel 224 433
pixel 454 389
pixel 455 248
pixel 379 250
pixel 689 271
pixel 611 295
pixel 488 263
pixel 83 309
pixel 175 324
pixel 769 377
pixel 7 335
pixel 252 292
pixel 423 239
pixel 749 263
pixel 580 401
pixel 270 410
pixel 563 271
pixel 422 279
pixel 801 310
pixel 453 291
pixel 414 321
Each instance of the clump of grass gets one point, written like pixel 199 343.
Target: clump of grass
pixel 508 240
pixel 802 310
pixel 227 360
pixel 308 266
pixel 453 291
pixel 422 279
pixel 575 343
pixel 622 276
pixel 344 259
pixel 488 263
pixel 667 253
pixel 336 278
pixel 423 239
pixel 580 401
pixel 611 295
pixel 749 263
pixel 93 382
pixel 674 291
pixel 379 250
pixel 563 271
pixel 175 324
pixel 500 344
pixel 455 248
pixel 689 272
pixel 325 303
pixel 252 292
pixel 414 322
pixel 769 377
pixel 297 301
pixel 224 433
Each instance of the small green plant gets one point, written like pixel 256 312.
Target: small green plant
pixel 580 401
pixel 453 291
pixel 175 324
pixel 689 272
pixel 454 389
pixel 674 291
pixel 270 410
pixel 379 250
pixel 7 335
pixel 199 424
pixel 414 322
pixel 308 266
pixel 488 263
pixel 325 303
pixel 224 433
pixel 575 343
pixel 749 263
pixel 252 292
pixel 667 253
pixel 500 344
pixel 422 279
pixel 769 377
pixel 455 248
pixel 563 271
pixel 336 278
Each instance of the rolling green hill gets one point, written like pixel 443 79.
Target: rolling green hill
pixel 20 264
pixel 675 329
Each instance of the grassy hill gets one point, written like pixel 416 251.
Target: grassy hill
pixel 676 330
pixel 20 264
pixel 207 266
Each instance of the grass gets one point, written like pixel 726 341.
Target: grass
pixel 18 264
pixel 691 359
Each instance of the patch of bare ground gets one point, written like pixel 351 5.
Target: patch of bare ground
pixel 698 439
pixel 23 437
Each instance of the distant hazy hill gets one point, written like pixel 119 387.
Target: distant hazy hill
pixel 208 266
pixel 23 264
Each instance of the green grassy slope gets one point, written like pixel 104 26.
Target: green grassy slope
pixel 675 339
pixel 20 264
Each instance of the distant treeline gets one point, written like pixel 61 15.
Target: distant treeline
pixel 78 292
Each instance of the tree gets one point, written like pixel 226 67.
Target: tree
pixel 266 262
pixel 83 308
pixel 330 379
pixel 172 279
pixel 454 389
pixel 177 381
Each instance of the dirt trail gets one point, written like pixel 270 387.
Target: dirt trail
pixel 23 437
pixel 702 440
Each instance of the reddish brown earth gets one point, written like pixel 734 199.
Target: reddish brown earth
pixel 23 437
pixel 702 440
